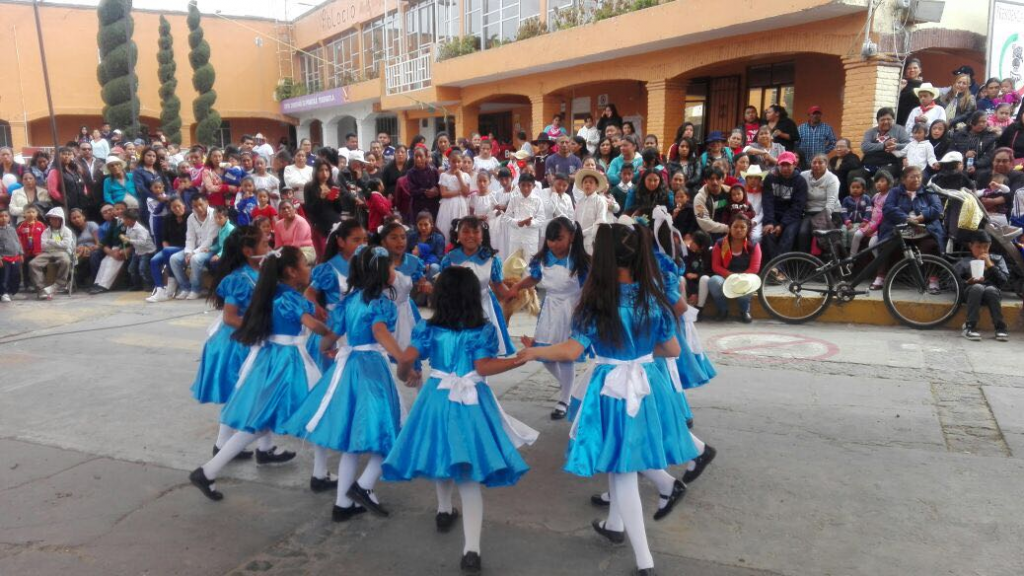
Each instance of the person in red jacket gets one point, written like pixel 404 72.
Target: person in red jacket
pixel 30 233
pixel 378 205
pixel 734 254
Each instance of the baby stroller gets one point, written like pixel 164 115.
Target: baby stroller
pixel 967 215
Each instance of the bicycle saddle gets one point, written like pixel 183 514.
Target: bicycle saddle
pixel 826 233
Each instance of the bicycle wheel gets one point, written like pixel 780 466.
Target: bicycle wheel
pixel 794 289
pixel 926 299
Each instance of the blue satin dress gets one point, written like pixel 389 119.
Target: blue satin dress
pixel 222 357
pixel 605 438
pixel 279 372
pixel 355 406
pixel 444 439
pixel 693 370
pixel 487 270
pixel 331 279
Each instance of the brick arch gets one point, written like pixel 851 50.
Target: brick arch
pixel 476 98
pixel 707 57
pixel 589 75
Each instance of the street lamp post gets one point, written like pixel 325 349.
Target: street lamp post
pixel 49 101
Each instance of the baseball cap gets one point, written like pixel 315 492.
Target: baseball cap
pixel 787 158
pixel 814 110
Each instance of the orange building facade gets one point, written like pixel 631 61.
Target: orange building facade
pixel 417 66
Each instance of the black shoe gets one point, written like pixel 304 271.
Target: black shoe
pixel 339 514
pixel 205 485
pixel 597 500
pixel 471 563
pixel 322 484
pixel 678 491
pixel 722 315
pixel 445 520
pixel 97 289
pixel 272 456
pixel 243 455
pixel 702 462
pixel 746 318
pixel 357 493
pixel 645 572
pixel 689 423
pixel 559 412
pixel 613 536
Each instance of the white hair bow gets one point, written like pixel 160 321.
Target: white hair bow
pixel 662 218
pixel 275 253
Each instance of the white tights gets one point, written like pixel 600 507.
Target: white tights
pixel 702 290
pixel 625 495
pixel 233 447
pixel 225 432
pixel 347 467
pixel 472 509
pixel 565 373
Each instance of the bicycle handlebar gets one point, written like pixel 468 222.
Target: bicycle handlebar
pixel 945 194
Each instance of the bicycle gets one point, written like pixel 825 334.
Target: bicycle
pixel 921 291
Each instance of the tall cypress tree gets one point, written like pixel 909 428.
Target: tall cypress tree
pixel 170 104
pixel 116 71
pixel 203 76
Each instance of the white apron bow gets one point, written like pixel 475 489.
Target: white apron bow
pixel 627 381
pixel 462 390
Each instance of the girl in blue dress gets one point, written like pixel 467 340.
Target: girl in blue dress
pixel 278 372
pixel 355 408
pixel 629 420
pixel 457 434
pixel 329 280
pixel 222 357
pixel 473 250
pixel 560 268
pixel 410 278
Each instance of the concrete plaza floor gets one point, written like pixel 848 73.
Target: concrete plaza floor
pixel 843 450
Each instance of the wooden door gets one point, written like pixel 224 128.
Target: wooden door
pixel 724 104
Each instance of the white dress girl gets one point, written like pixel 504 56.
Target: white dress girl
pixel 454 207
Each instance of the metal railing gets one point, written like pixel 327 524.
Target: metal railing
pixel 410 71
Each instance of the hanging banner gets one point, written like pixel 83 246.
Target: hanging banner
pixel 1006 40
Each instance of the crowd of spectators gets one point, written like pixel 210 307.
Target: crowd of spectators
pixel 738 197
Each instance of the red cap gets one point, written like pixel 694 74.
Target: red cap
pixel 787 158
pixel 814 110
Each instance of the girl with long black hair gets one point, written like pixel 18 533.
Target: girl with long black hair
pixel 278 373
pixel 628 420
pixel 410 277
pixel 355 407
pixel 329 280
pixel 472 249
pixel 457 434
pixel 560 268
pixel 235 280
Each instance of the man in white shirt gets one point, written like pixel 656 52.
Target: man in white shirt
pixel 262 148
pixel 524 218
pixel 200 235
pixel 590 133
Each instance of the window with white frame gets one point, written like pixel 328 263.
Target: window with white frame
pixel 474 9
pixel 419 26
pixel 345 57
pixel 447 18
pixel 373 43
pixel 311 74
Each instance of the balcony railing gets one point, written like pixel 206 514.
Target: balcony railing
pixel 410 71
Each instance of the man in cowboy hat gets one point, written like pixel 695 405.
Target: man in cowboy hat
pixel 542 148
pixel 928 111
pixel 262 147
